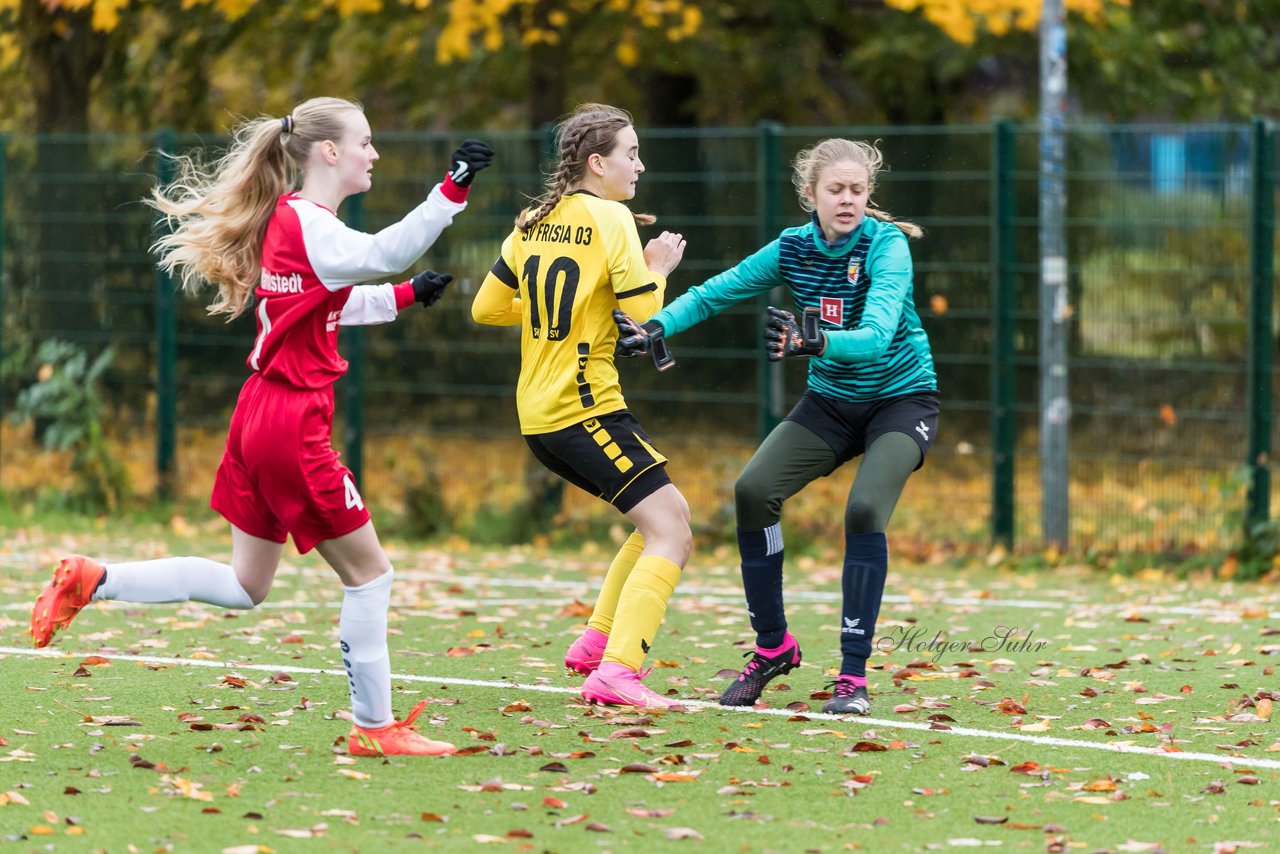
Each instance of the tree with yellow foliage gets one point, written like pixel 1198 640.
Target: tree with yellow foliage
pixel 961 20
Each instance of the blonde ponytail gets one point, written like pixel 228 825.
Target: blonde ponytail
pixel 217 213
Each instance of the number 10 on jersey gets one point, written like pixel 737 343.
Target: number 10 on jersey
pixel 550 317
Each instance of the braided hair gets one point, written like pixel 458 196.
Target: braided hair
pixel 590 129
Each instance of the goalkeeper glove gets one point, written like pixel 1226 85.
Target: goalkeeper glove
pixel 428 286
pixel 784 337
pixel 469 158
pixel 635 339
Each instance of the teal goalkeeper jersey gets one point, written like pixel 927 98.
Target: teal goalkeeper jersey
pixel 876 347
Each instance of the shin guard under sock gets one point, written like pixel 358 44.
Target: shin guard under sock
pixel 174 579
pixel 762 557
pixel 362 634
pixel 614 580
pixel 641 607
pixel 866 563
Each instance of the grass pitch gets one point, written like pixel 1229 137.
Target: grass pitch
pixel 1057 711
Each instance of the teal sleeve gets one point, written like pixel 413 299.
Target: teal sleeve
pixel 890 269
pixel 750 277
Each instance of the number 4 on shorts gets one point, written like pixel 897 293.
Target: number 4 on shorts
pixel 352 494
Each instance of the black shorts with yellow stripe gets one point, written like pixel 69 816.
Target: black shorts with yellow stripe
pixel 609 456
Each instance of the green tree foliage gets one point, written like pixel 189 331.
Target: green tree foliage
pixel 198 64
pixel 1163 59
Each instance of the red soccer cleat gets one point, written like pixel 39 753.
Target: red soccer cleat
pixel 397 739
pixel 72 587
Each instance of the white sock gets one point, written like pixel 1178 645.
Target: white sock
pixel 174 579
pixel 362 634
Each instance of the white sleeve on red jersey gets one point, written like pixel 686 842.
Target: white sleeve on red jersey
pixel 342 256
pixel 368 305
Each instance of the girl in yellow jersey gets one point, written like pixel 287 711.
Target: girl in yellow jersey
pixel 572 260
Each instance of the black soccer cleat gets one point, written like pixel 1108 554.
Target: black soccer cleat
pixel 746 689
pixel 847 698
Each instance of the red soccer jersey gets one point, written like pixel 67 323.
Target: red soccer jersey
pixel 310 261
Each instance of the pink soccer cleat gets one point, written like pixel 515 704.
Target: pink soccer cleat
pixel 586 652
pixel 618 685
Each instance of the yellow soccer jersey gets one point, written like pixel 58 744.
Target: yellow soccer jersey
pixel 561 280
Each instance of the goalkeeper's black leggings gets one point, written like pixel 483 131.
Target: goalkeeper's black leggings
pixel 792 456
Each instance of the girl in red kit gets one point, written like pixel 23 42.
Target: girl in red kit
pixel 239 225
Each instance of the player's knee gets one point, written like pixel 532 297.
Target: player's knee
pixel 677 533
pixel 257 592
pixel 860 517
pixel 684 542
pixel 755 494
pixel 256 589
pixel 682 510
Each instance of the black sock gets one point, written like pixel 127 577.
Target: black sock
pixel 866 563
pixel 762 553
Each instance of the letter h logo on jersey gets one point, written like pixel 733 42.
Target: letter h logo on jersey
pixel 832 310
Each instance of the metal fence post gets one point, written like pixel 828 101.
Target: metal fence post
pixel 1261 338
pixel 166 331
pixel 354 349
pixel 1055 390
pixel 4 147
pixel 1004 435
pixel 770 388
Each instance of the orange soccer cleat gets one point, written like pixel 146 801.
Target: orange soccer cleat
pixel 72 586
pixel 397 739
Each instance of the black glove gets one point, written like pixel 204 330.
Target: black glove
pixel 469 158
pixel 428 286
pixel 634 339
pixel 783 336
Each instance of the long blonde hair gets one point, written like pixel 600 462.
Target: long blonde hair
pixel 810 162
pixel 590 129
pixel 217 213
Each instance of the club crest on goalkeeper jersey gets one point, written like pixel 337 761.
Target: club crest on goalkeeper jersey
pixel 863 288
pixel 570 271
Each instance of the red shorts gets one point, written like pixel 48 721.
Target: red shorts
pixel 280 475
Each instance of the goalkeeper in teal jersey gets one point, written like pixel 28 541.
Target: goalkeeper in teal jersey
pixel 872 392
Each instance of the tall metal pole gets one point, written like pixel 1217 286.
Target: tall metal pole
pixel 166 330
pixel 1262 340
pixel 1004 428
pixel 1055 403
pixel 770 379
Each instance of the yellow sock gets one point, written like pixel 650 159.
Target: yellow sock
pixel 641 607
pixel 614 580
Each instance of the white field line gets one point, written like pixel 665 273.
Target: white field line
pixel 401 606
pixel 710 595
pixel 479 582
pixel 950 732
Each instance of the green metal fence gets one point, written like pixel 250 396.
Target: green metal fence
pixel 1171 233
